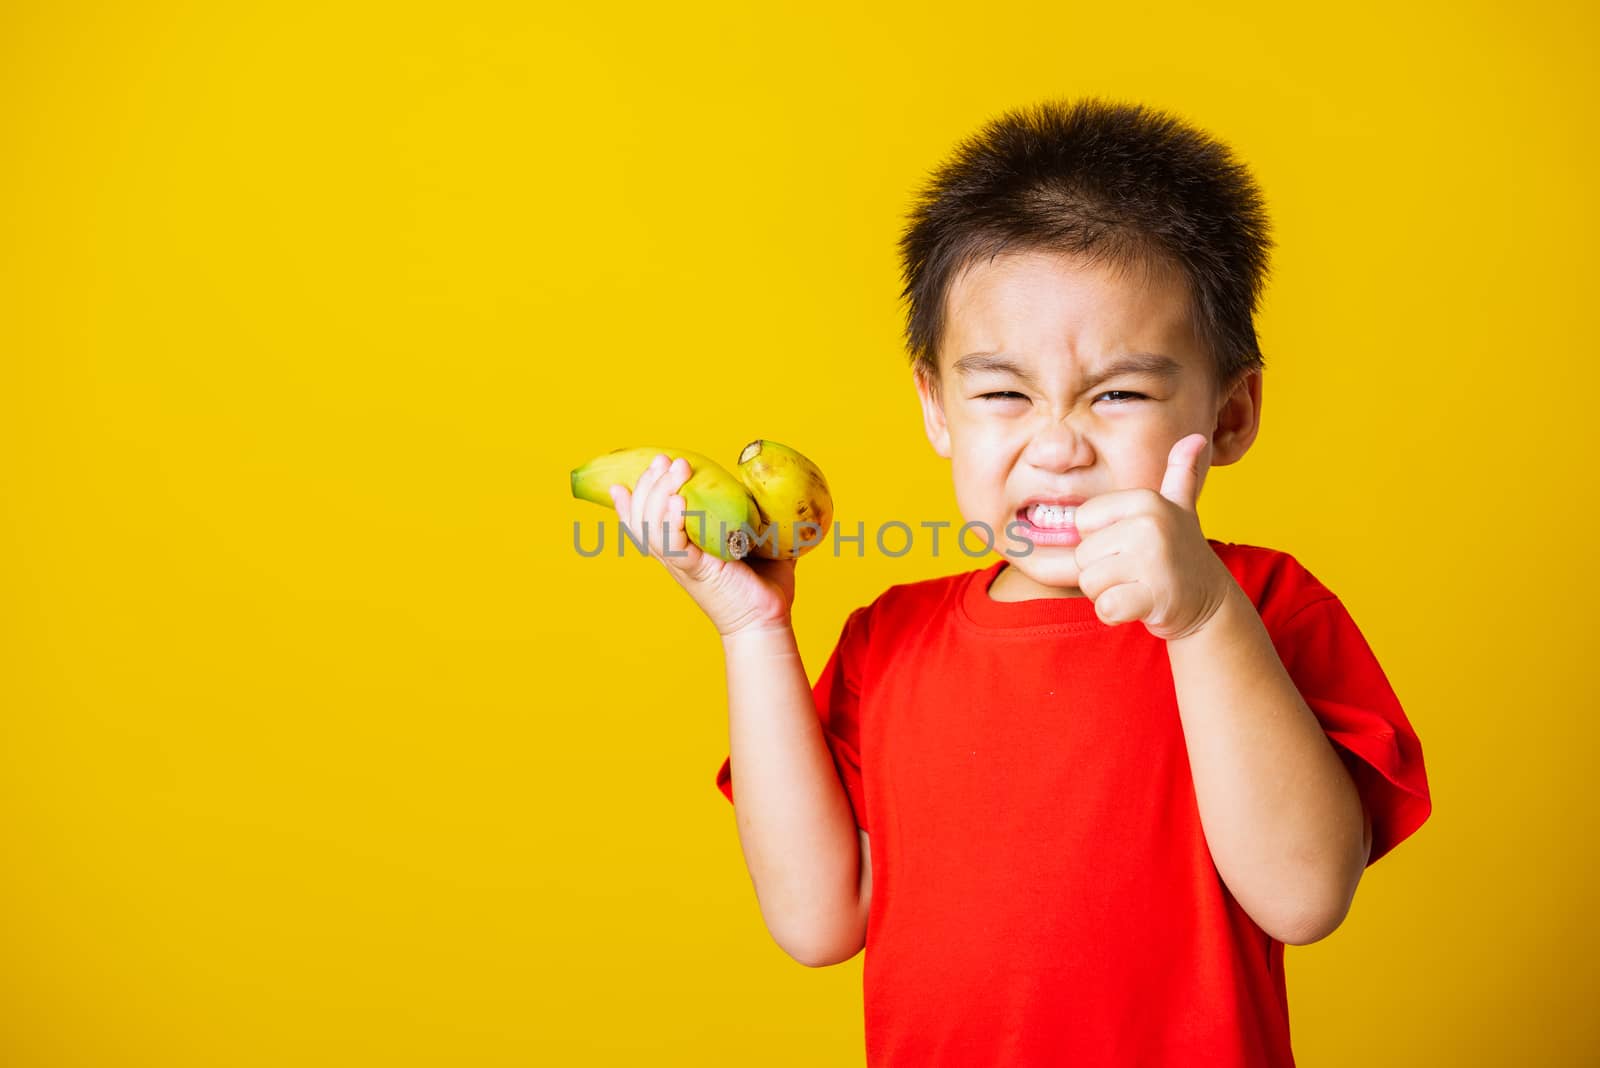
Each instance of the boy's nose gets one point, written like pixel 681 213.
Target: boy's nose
pixel 1057 446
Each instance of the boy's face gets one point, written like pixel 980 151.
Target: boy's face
pixel 1033 419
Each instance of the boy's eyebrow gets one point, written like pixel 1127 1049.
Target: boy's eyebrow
pixel 1149 363
pixel 976 362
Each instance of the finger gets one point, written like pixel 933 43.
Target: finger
pixel 1097 547
pixel 641 490
pixel 1095 577
pixel 1102 510
pixel 1186 470
pixel 1126 602
pixel 622 500
pixel 681 552
pixel 655 503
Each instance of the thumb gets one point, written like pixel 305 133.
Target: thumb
pixel 1187 464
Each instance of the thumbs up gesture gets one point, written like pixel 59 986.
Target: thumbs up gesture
pixel 1143 556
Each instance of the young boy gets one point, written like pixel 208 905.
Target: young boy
pixel 1109 776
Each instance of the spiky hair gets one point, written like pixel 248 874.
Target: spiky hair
pixel 1113 182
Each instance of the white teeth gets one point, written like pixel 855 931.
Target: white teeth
pixel 1046 516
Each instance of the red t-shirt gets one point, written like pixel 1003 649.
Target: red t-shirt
pixel 1042 889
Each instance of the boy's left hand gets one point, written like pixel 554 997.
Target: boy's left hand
pixel 1143 556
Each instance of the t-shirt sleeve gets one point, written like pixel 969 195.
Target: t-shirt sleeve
pixel 837 698
pixel 1340 679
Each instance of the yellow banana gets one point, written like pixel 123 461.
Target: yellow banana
pixel 729 516
pixel 796 505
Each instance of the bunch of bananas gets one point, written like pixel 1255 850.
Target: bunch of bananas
pixel 775 503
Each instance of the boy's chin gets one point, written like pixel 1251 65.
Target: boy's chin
pixel 1057 571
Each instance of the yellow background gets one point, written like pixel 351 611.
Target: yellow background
pixel 320 745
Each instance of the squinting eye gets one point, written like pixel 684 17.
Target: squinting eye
pixel 1002 395
pixel 1121 393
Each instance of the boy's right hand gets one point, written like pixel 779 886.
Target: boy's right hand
pixel 749 594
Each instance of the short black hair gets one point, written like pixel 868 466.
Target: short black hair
pixel 1115 182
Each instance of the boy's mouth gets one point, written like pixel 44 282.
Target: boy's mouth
pixel 1051 521
pixel 1050 513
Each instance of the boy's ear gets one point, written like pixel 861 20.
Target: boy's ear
pixel 933 422
pixel 1238 421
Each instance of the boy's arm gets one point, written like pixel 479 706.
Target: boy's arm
pixel 1282 818
pixel 796 828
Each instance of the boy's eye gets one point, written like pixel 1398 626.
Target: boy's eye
pixel 1008 394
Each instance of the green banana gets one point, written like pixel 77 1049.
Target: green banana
pixel 793 497
pixel 729 515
